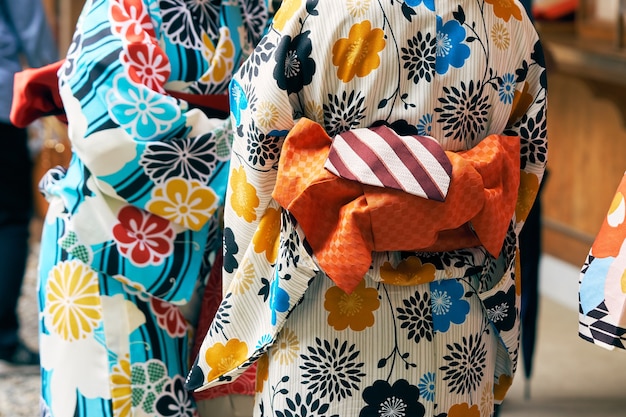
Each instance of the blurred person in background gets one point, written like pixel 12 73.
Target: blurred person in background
pixel 25 40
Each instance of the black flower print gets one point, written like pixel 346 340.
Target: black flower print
pixel 191 157
pixel 310 407
pixel 331 370
pixel 466 365
pixel 222 316
pixel 230 250
pixel 175 400
pixel 262 149
pixel 254 16
pixel 417 317
pixel 534 128
pixel 398 400
pixel 343 113
pixel 501 309
pixel 185 20
pixel 464 111
pixel 419 57
pixel 289 245
pixel 294 66
pixel 262 53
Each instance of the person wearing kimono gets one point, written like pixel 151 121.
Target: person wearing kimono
pixel 133 224
pixel 385 157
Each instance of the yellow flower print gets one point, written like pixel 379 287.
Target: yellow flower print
pixel 221 59
pixel 314 111
pixel 464 410
pixel 188 203
pixel 262 372
pixel 224 358
pixel 528 189
pixel 504 9
pixel 357 8
pixel 287 9
pixel 409 272
pixel 286 348
pixel 501 388
pixel 522 101
pixel 358 54
pixel 267 114
pixel 354 310
pixel 500 35
pixel 121 391
pixel 244 277
pixel 486 400
pixel 73 300
pixel 243 199
pixel 266 238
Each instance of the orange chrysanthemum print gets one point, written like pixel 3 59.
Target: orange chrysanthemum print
pixel 287 9
pixel 73 300
pixel 286 348
pixel 358 53
pixel 243 198
pixel 266 238
pixel 500 35
pixel 224 358
pixel 354 310
pixel 528 189
pixel 121 392
pixel 504 9
pixel 187 203
pixel 464 410
pixel 408 272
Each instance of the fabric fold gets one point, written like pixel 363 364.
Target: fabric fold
pixel 343 219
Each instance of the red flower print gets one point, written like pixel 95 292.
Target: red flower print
pixel 130 19
pixel 147 65
pixel 169 317
pixel 143 237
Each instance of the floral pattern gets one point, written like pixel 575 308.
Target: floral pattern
pixel 135 219
pixel 424 333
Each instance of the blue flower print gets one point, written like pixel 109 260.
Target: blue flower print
pixel 279 299
pixel 238 101
pixel 430 4
pixel 425 125
pixel 143 113
pixel 427 386
pixel 450 49
pixel 506 90
pixel 447 303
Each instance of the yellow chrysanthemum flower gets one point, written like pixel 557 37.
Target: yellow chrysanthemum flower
pixel 354 310
pixel 266 238
pixel 188 203
pixel 243 199
pixel 73 300
pixel 267 114
pixel 286 348
pixel 500 35
pixel 357 8
pixel 243 279
pixel 358 53
pixel 224 358
pixel 121 391
pixel 408 272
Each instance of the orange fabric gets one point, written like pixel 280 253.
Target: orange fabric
pixel 36 94
pixel 345 221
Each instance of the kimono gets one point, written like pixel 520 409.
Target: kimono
pixel 602 293
pixel 431 330
pixel 134 221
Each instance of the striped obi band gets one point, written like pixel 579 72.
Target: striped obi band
pixel 380 157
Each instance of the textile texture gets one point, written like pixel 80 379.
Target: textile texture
pixel 423 333
pixel 134 221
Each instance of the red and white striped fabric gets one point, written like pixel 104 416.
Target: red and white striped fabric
pixel 380 157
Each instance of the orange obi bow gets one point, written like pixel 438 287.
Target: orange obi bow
pixel 344 220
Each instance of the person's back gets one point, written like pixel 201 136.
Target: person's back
pixel 25 40
pixel 339 324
